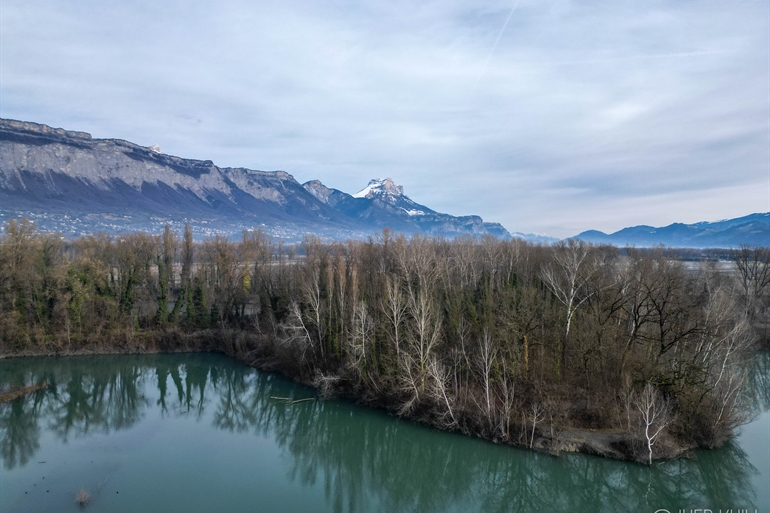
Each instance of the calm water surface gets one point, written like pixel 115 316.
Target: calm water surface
pixel 203 433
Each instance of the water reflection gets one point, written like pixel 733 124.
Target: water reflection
pixel 757 388
pixel 358 457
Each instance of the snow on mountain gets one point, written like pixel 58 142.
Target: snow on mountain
pixel 382 203
pixel 380 187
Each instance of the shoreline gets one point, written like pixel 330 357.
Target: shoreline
pixel 608 443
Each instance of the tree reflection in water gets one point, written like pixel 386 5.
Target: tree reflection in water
pixel 358 456
pixel 757 388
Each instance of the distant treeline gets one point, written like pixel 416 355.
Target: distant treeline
pixel 508 340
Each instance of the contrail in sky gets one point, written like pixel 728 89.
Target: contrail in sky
pixel 623 58
pixel 494 46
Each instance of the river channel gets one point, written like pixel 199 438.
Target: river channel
pixel 203 433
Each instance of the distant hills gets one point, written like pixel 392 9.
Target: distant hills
pixel 753 229
pixel 70 182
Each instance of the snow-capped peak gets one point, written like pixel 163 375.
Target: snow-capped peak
pixel 382 187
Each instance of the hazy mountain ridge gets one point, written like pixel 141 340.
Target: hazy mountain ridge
pixel 537 238
pixel 63 178
pixel 751 229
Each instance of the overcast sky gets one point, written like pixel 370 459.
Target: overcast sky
pixel 547 116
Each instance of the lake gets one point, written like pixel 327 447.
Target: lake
pixel 203 433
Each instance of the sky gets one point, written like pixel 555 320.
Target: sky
pixel 547 116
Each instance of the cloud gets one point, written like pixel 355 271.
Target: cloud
pixel 546 116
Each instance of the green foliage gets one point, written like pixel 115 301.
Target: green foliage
pixel 200 306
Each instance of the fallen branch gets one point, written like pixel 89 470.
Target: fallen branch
pixel 289 400
pixel 15 393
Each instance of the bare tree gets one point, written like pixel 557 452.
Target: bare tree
pixel 225 275
pixel 311 293
pixel 426 328
pixel 727 413
pixel 627 399
pixel 753 266
pixel 19 236
pixel 360 338
pixel 655 415
pixel 726 363
pixel 440 381
pixel 459 355
pixel 568 279
pixel 486 360
pixel 409 383
pixel 507 397
pixel 340 270
pixel 296 332
pixel 394 307
pixel 557 411
pixel 536 414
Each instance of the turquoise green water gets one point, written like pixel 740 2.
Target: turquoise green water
pixel 203 433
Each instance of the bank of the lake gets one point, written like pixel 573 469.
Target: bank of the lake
pixel 202 432
pixel 250 349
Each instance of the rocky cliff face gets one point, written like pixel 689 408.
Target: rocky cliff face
pixel 48 172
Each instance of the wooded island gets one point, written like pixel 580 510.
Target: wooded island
pixel 625 353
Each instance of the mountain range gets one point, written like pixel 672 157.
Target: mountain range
pixel 752 229
pixel 68 181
